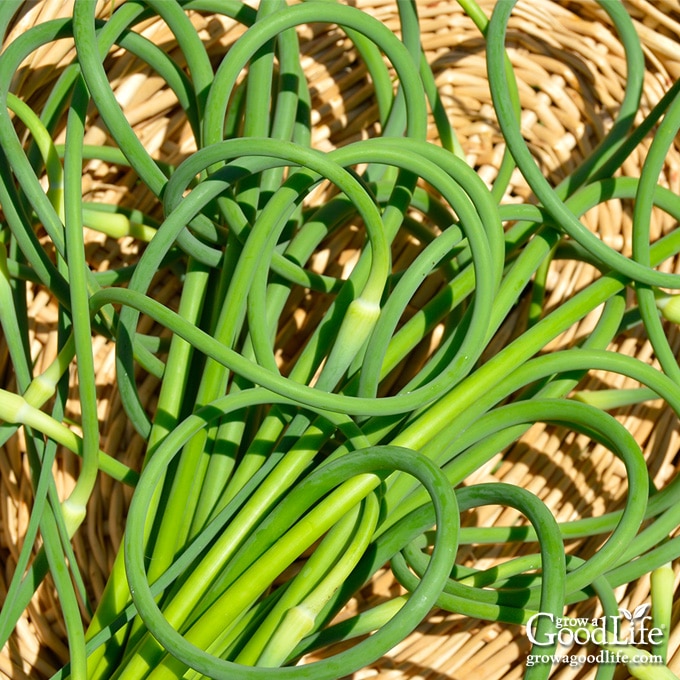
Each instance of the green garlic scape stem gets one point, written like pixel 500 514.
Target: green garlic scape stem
pixel 313 426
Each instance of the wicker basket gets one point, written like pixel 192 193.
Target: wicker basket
pixel 571 74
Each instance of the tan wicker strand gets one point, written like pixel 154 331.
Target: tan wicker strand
pixel 571 76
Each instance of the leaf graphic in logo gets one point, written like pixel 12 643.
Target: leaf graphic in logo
pixel 625 613
pixel 641 611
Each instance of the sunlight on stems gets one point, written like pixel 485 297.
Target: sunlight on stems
pixel 316 421
pixel 662 585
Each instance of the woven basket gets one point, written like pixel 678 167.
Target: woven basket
pixel 571 71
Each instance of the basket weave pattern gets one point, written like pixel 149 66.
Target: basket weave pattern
pixel 571 74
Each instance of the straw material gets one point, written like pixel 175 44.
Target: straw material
pixel 571 74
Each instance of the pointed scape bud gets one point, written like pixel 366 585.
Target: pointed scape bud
pixel 669 306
